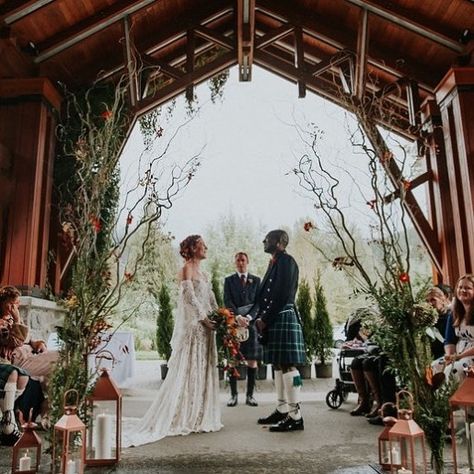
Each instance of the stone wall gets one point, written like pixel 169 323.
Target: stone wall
pixel 42 316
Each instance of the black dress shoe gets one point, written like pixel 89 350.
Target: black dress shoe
pixel 251 402
pixel 288 424
pixel 376 420
pixel 275 417
pixel 232 401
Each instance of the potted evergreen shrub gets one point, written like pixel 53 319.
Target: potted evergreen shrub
pixel 304 304
pixel 164 328
pixel 322 334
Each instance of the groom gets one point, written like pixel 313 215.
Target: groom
pixel 281 332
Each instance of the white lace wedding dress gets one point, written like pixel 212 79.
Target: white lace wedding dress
pixel 188 400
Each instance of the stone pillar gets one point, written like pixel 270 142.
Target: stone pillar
pixel 28 110
pixel 455 97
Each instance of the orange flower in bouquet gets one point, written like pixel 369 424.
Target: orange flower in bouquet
pixel 226 327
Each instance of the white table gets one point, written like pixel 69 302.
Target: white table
pixel 120 344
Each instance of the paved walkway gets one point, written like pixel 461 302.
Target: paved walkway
pixel 332 442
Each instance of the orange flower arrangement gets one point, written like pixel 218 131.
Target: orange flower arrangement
pixel 226 326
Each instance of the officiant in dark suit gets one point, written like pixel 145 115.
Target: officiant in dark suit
pixel 240 292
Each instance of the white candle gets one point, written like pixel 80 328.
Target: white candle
pixel 404 471
pixel 471 432
pixel 25 462
pixel 71 467
pixel 396 458
pixel 103 447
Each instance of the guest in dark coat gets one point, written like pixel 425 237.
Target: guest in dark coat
pixel 240 292
pixel 281 332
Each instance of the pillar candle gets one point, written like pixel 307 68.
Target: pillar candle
pixel 404 471
pixel 71 467
pixel 25 462
pixel 396 458
pixel 471 432
pixel 103 447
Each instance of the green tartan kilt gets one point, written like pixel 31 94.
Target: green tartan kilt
pixel 285 340
pixel 5 371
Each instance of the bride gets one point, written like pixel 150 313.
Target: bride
pixel 188 400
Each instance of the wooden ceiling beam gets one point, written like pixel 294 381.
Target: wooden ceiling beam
pixel 14 10
pixel 299 59
pixel 362 48
pixel 163 66
pixel 408 20
pixel 326 89
pixel 87 27
pixel 245 13
pixel 179 85
pixel 214 37
pixel 274 35
pixel 385 60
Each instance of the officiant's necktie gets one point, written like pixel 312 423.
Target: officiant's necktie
pixel 242 280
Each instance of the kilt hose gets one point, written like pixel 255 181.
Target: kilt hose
pixel 285 344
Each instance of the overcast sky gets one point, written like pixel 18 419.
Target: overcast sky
pixel 251 145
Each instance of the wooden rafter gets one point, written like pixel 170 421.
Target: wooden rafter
pixel 362 48
pixel 214 37
pixel 14 10
pixel 197 76
pixel 272 36
pixel 339 39
pixel 408 20
pixel 87 27
pixel 299 59
pixel 245 37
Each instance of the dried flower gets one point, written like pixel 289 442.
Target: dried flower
pixel 372 203
pixel 308 226
pixel 128 276
pixel 106 114
pixel 129 219
pixel 404 277
pixel 96 224
pixel 159 132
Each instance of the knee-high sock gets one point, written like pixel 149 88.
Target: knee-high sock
pixel 233 385
pixel 251 373
pixel 282 405
pixel 292 383
pixel 8 420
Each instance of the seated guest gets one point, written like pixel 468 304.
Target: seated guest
pixel 440 302
pixel 17 347
pixel 459 338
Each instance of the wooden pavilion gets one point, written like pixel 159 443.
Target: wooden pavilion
pixel 415 59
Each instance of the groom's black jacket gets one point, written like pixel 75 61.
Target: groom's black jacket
pixel 236 295
pixel 278 287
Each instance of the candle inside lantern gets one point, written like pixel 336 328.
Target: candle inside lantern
pixel 471 433
pixel 404 471
pixel 25 462
pixel 71 467
pixel 103 447
pixel 396 458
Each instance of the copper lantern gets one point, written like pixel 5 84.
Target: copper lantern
pixel 461 412
pixel 69 439
pixel 104 430
pixel 383 440
pixel 27 451
pixel 404 436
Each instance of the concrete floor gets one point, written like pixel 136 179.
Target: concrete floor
pixel 332 442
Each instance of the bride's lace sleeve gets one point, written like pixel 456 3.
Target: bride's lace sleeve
pixel 189 297
pixel 212 300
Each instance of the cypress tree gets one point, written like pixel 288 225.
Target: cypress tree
pixel 322 332
pixel 164 323
pixel 304 304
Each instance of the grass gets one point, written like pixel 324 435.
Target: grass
pixel 147 355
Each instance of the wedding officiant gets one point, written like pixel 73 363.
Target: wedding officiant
pixel 240 292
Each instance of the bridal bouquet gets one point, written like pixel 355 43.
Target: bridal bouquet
pixel 228 342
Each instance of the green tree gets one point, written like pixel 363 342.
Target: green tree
pixel 322 333
pixel 164 323
pixel 304 304
pixel 216 284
